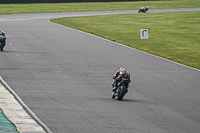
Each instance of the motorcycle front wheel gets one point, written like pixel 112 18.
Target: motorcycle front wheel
pixel 122 93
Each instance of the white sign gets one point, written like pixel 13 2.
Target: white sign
pixel 144 34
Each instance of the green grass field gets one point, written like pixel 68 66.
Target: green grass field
pixel 174 36
pixel 93 6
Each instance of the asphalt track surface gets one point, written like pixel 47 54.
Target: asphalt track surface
pixel 64 76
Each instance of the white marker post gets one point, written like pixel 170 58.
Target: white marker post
pixel 144 34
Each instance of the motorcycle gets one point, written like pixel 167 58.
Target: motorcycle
pixel 143 9
pixel 122 89
pixel 2 40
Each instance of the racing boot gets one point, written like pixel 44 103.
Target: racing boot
pixel 114 84
pixel 114 89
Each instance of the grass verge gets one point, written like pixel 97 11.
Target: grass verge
pixel 93 6
pixel 174 36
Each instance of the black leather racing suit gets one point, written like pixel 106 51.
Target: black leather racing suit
pixel 121 74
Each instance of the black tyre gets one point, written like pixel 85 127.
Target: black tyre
pixel 1 49
pixel 121 93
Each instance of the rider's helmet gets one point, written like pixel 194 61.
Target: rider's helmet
pixel 2 33
pixel 124 71
pixel 122 68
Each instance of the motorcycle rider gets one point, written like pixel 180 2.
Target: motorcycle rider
pixel 122 73
pixel 2 40
pixel 142 8
pixel 145 8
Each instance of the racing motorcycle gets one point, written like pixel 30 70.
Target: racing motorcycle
pixel 143 9
pixel 2 40
pixel 122 89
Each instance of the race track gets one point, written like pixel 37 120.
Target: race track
pixel 64 76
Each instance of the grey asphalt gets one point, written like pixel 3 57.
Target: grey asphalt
pixel 64 76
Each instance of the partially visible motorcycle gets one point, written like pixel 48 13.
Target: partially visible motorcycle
pixel 143 9
pixel 2 40
pixel 122 89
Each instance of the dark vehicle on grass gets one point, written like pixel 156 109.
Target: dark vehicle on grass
pixel 143 9
pixel 2 40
